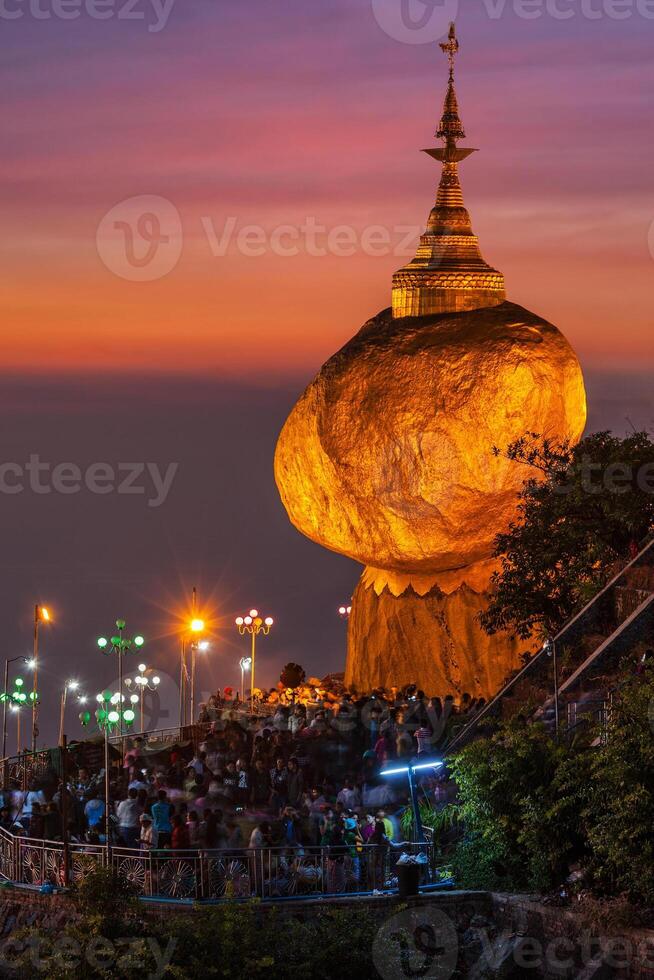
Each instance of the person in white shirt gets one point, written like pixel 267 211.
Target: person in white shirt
pixel 349 796
pixel 128 813
pixel 32 796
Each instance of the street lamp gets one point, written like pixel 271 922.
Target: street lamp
pixel 344 612
pixel 244 663
pixel 68 686
pixel 191 634
pixel 5 699
pixel 197 628
pixel 549 646
pixel 41 615
pixel 254 624
pixel 122 645
pixel 143 684
pixel 17 697
pixel 409 770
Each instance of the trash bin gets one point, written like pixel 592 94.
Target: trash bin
pixel 408 879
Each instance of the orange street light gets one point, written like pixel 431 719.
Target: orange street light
pixel 41 615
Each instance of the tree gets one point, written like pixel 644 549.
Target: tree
pixel 520 829
pixel 617 813
pixel 585 508
pixel 292 676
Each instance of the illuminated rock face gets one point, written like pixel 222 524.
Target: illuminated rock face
pixel 388 455
pixel 432 640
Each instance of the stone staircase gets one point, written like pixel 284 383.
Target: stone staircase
pixel 617 621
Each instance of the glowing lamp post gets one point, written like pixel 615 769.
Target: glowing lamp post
pixel 255 625
pixel 17 699
pixel 409 770
pixel 191 637
pixel 142 682
pixel 197 629
pixel 344 612
pixel 11 699
pixel 110 716
pixel 244 663
pixel 122 646
pixel 68 686
pixel 41 615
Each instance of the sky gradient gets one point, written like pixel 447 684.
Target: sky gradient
pixel 276 116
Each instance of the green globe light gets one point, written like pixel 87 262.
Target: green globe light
pixel 102 642
pixel 19 682
pixel 106 695
pixel 22 696
pixel 113 717
pixel 129 716
pixel 139 641
pixel 33 695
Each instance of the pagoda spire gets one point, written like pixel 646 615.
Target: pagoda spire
pixel 448 272
pixel 451 128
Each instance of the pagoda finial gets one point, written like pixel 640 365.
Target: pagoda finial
pixel 451 128
pixel 448 273
pixel 451 48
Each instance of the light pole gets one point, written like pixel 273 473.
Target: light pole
pixel 191 638
pixel 197 628
pixel 122 645
pixel 68 686
pixel 550 649
pixel 18 699
pixel 41 615
pixel 244 663
pixel 409 770
pixel 110 716
pixel 6 697
pixel 143 684
pixel 254 624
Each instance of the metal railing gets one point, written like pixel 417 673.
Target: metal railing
pixel 541 655
pixel 215 875
pixel 20 769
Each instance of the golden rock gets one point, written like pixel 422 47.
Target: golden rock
pixel 388 455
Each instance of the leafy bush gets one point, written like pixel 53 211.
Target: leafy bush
pixel 520 830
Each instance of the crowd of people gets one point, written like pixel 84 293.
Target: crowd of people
pixel 304 774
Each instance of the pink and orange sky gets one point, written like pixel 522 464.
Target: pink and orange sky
pixel 272 114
